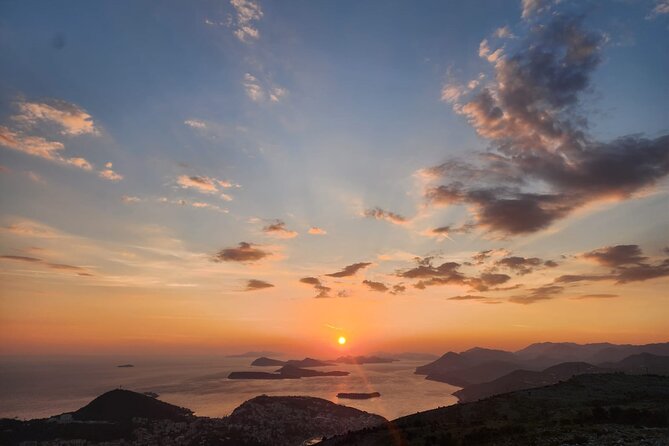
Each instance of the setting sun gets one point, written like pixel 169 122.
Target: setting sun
pixel 341 340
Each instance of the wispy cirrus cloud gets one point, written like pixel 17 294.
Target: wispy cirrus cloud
pixel 315 230
pixel 71 119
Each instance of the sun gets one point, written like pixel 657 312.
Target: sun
pixel 341 340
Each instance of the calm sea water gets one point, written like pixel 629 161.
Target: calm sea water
pixel 33 388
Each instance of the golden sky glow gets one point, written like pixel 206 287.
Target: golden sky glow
pixel 197 180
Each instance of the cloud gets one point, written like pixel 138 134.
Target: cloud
pixel 661 7
pixel 315 230
pixel 39 147
pixel 376 286
pixel 195 124
pixel 248 12
pixel 524 265
pixel 278 229
pixel 350 270
pixel 205 185
pixel 531 114
pixel 617 255
pixel 487 280
pixel 244 252
pixel 20 258
pixel 129 199
pixel 444 232
pixel 627 263
pixel 595 296
pixel 35 260
pixel 71 119
pixel 255 284
pixel 35 117
pixel 544 292
pixel 253 89
pixel 257 93
pixel 467 297
pixel 380 214
pixel 398 289
pixel 109 174
pixel 29 228
pixel 323 291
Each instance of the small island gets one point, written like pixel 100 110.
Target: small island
pixel 358 396
pixel 264 361
pixel 125 366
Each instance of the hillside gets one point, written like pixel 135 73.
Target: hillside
pixel 602 410
pixel 526 379
pixel 120 405
pixel 290 420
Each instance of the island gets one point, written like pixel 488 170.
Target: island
pixel 264 361
pixel 358 396
pixel 285 372
pixel 125 366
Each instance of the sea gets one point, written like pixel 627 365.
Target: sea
pixel 42 387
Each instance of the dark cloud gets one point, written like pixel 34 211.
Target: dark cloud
pixel 398 289
pixel 310 280
pixel 376 286
pixel 531 115
pixel 323 291
pixel 642 272
pixel 617 255
pixel 381 214
pixel 544 292
pixel 278 229
pixel 450 229
pixel 487 280
pixel 467 297
pixel 244 252
pixel 627 262
pixel 21 258
pixel 59 266
pixel 595 296
pixel 524 265
pixel 254 284
pixel 350 270
pixel 571 278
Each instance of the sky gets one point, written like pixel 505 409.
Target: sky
pixel 221 176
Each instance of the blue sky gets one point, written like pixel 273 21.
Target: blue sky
pixel 176 130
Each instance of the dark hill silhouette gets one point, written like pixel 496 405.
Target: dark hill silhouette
pixel 480 373
pixel 642 363
pixel 599 409
pixel 526 379
pixel 267 362
pixel 308 362
pixel 290 420
pixel 120 405
pixel 470 358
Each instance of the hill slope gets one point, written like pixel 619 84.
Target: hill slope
pixel 603 409
pixel 121 405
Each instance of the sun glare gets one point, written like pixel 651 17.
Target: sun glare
pixel 341 340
